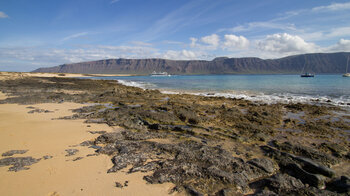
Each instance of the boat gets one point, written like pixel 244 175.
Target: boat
pixel 346 72
pixel 159 74
pixel 306 74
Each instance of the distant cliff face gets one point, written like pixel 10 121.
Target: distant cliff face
pixel 315 63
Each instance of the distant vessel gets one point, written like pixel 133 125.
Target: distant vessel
pixel 306 74
pixel 160 74
pixel 346 72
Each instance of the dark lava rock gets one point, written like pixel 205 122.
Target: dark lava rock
pixel 228 192
pixel 302 168
pixel 266 193
pixel 39 111
pixel 18 163
pixel 97 132
pixel 194 160
pixel 264 164
pixel 336 149
pixel 306 177
pixel 77 159
pixel 306 152
pixel 71 152
pixel 109 149
pixel 193 192
pixel 87 143
pixel 187 115
pixel 108 138
pixel 118 185
pixel 181 163
pixel 315 168
pixel 90 155
pixel 177 128
pixel 284 159
pixel 12 152
pixel 97 121
pixel 150 166
pixel 340 185
pixel 260 137
pixel 283 183
pixel 141 135
pixel 47 157
pixel 122 161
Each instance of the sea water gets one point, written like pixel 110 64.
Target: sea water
pixel 333 89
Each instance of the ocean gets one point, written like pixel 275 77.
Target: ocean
pixel 331 89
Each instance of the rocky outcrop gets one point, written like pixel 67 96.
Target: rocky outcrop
pixel 316 63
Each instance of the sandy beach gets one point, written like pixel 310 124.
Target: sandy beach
pixel 60 175
pixel 14 75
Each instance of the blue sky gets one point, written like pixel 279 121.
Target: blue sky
pixel 37 33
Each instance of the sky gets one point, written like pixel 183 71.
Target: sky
pixel 36 33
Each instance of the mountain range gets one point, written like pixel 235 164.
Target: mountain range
pixel 319 63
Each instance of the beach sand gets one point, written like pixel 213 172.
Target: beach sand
pixel 15 75
pixel 60 175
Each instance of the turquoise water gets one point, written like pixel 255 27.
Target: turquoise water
pixel 270 88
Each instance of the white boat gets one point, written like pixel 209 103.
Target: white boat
pixel 346 72
pixel 159 74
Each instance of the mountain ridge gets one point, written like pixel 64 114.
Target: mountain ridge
pixel 319 63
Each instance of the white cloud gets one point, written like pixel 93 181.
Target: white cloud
pixel 35 57
pixel 212 40
pixel 286 44
pixel 332 7
pixel 330 33
pixel 114 1
pixel 173 42
pixel 3 15
pixel 186 55
pixel 140 43
pixel 340 31
pixel 342 46
pixel 258 25
pixel 193 42
pixel 53 56
pixel 233 42
pixel 181 55
pixel 74 36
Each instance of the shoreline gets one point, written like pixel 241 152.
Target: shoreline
pixel 191 144
pixel 247 95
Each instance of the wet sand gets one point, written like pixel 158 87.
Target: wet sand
pixel 60 175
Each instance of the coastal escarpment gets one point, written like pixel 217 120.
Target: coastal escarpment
pixel 320 63
pixel 206 145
